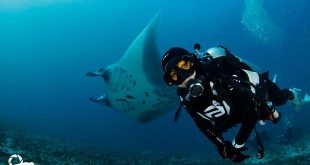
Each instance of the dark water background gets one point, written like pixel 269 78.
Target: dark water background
pixel 46 48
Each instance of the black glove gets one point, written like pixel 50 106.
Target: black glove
pixel 229 151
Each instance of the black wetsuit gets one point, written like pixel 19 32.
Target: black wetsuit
pixel 228 99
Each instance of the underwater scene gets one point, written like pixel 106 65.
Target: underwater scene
pixel 85 82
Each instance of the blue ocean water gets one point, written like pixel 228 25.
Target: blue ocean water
pixel 46 47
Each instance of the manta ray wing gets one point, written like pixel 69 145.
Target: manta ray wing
pixel 144 52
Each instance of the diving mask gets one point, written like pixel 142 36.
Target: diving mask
pixel 178 70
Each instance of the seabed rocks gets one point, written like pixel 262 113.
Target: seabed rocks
pixel 43 150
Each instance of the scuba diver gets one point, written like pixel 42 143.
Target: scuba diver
pixel 220 91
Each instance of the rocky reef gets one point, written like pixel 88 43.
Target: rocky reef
pixel 47 151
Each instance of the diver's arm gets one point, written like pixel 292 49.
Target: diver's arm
pixel 225 148
pixel 244 132
pixel 206 127
pixel 215 138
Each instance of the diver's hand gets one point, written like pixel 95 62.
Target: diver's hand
pixel 235 154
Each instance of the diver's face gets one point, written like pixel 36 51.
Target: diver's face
pixel 177 72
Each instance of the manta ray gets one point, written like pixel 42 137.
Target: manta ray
pixel 134 85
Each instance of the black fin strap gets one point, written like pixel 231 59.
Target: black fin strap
pixel 260 146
